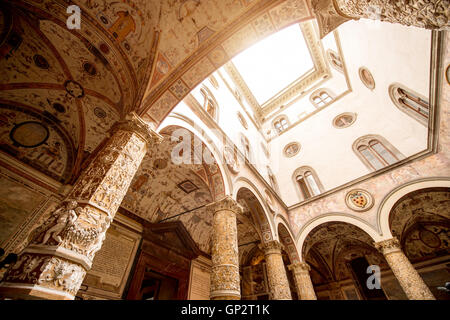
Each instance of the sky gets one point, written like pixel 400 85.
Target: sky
pixel 275 62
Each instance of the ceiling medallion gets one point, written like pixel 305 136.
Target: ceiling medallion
pixel 160 164
pixel 89 68
pixel 359 200
pixel 40 61
pixel 99 113
pixel 74 89
pixel 29 134
pixel 59 107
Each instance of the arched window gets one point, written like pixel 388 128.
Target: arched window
pixel 335 60
pixel 410 103
pixel 307 183
pixel 209 103
pixel 321 98
pixel 280 124
pixel 376 152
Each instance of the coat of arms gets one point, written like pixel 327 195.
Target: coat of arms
pixel 359 200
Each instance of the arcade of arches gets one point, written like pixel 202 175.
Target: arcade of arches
pixel 121 179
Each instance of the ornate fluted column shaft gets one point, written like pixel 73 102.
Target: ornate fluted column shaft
pixel 62 249
pixel 276 273
pixel 433 14
pixel 303 281
pixel 408 277
pixel 225 280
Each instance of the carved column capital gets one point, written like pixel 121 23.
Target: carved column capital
pixel 419 13
pixel 271 247
pixel 388 246
pixel 135 124
pixel 328 16
pixel 299 267
pixel 303 281
pixel 227 203
pixel 408 277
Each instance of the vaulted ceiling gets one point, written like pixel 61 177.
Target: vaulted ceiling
pixel 421 221
pixel 66 87
pixel 329 247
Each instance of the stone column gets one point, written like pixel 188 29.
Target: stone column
pixel 409 279
pixel 303 281
pixel 432 14
pixel 225 280
pixel 276 273
pixel 62 249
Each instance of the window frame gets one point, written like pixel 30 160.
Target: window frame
pixel 348 124
pixel 208 98
pixel 318 94
pixel 302 172
pixel 290 144
pixel 366 141
pixel 417 98
pixel 280 119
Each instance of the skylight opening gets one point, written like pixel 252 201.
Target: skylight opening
pixel 274 63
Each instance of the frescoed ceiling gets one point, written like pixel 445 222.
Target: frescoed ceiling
pixel 329 248
pixel 53 79
pixel 162 188
pixel 128 55
pixel 421 221
pixel 252 224
pixel 197 37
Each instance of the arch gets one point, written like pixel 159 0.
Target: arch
pixel 336 217
pixel 188 124
pixel 286 237
pixel 395 195
pixel 243 182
